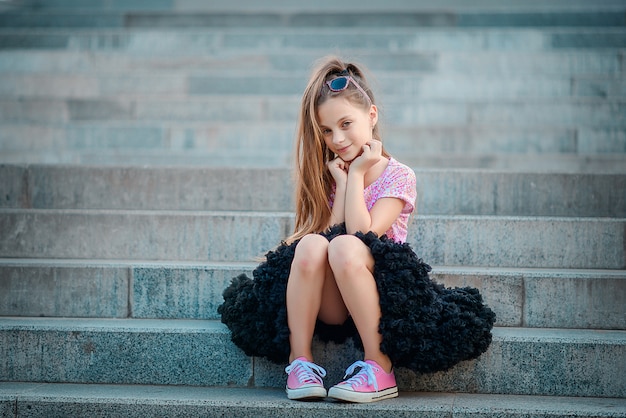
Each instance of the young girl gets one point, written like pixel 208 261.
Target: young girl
pixel 346 270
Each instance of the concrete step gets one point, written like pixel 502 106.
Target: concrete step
pixel 541 163
pixel 191 290
pixel 61 400
pixel 347 5
pixel 206 139
pixel 186 41
pixel 447 192
pixel 241 236
pixel 566 62
pixel 199 353
pixel 71 18
pixel 392 85
pixel 400 112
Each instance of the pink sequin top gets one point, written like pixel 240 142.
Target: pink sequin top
pixel 398 180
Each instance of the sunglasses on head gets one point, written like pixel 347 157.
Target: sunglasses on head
pixel 341 83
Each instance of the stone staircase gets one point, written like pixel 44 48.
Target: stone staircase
pixel 145 151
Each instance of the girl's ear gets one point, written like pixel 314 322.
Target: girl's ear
pixel 373 114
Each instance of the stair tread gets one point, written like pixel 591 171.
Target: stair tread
pixel 137 398
pixel 444 269
pixel 215 326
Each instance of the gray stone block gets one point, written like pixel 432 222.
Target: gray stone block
pixel 547 361
pixel 33 111
pixel 192 292
pixel 442 86
pixel 601 140
pixel 607 87
pixel 590 39
pixel 160 188
pixel 107 137
pixel 451 192
pixel 176 290
pixel 576 113
pixel 14 187
pixel 197 353
pixel 100 109
pixel 60 6
pixel 48 85
pixel 214 109
pixel 519 361
pixel 596 164
pixel 542 19
pixel 33 41
pixel 354 18
pixel 382 61
pixel 207 236
pixel 242 236
pixel 131 83
pixel 66 20
pixel 64 290
pixel 592 300
pixel 509 63
pixel 7 407
pixel 46 400
pixel 16 137
pixel 399 112
pixel 520 242
pixel 520 194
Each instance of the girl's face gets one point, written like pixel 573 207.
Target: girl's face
pixel 346 127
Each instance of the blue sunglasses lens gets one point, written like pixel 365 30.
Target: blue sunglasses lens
pixel 339 84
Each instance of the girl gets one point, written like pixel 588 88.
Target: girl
pixel 346 270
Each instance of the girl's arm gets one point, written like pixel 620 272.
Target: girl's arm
pixel 379 219
pixel 384 212
pixel 338 169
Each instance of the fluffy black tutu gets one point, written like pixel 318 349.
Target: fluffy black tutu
pixel 425 326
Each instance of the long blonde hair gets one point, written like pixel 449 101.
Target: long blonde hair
pixel 312 178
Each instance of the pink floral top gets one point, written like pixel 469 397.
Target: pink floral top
pixel 398 180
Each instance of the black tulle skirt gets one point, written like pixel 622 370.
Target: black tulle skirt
pixel 426 327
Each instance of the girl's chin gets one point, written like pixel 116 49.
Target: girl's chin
pixel 349 157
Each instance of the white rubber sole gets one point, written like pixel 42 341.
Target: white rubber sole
pixel 306 393
pixel 362 397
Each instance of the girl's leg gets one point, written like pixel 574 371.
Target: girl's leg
pixel 311 293
pixel 352 265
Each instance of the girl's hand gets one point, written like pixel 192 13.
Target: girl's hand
pixel 370 155
pixel 339 170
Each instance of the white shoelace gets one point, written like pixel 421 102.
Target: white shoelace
pixel 366 374
pixel 306 372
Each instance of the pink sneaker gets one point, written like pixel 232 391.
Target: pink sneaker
pixel 368 383
pixel 305 380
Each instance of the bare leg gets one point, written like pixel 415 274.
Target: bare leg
pixel 352 265
pixel 311 292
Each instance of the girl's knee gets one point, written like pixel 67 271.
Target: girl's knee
pixel 347 252
pixel 311 254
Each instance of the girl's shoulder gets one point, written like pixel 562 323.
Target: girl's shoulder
pixel 397 177
pixel 397 169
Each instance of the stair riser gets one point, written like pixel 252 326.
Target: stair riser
pixel 437 87
pixel 63 400
pixel 519 163
pixel 481 63
pixel 234 236
pixel 202 357
pixel 595 300
pixel 574 113
pixel 563 366
pixel 236 139
pixel 439 192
